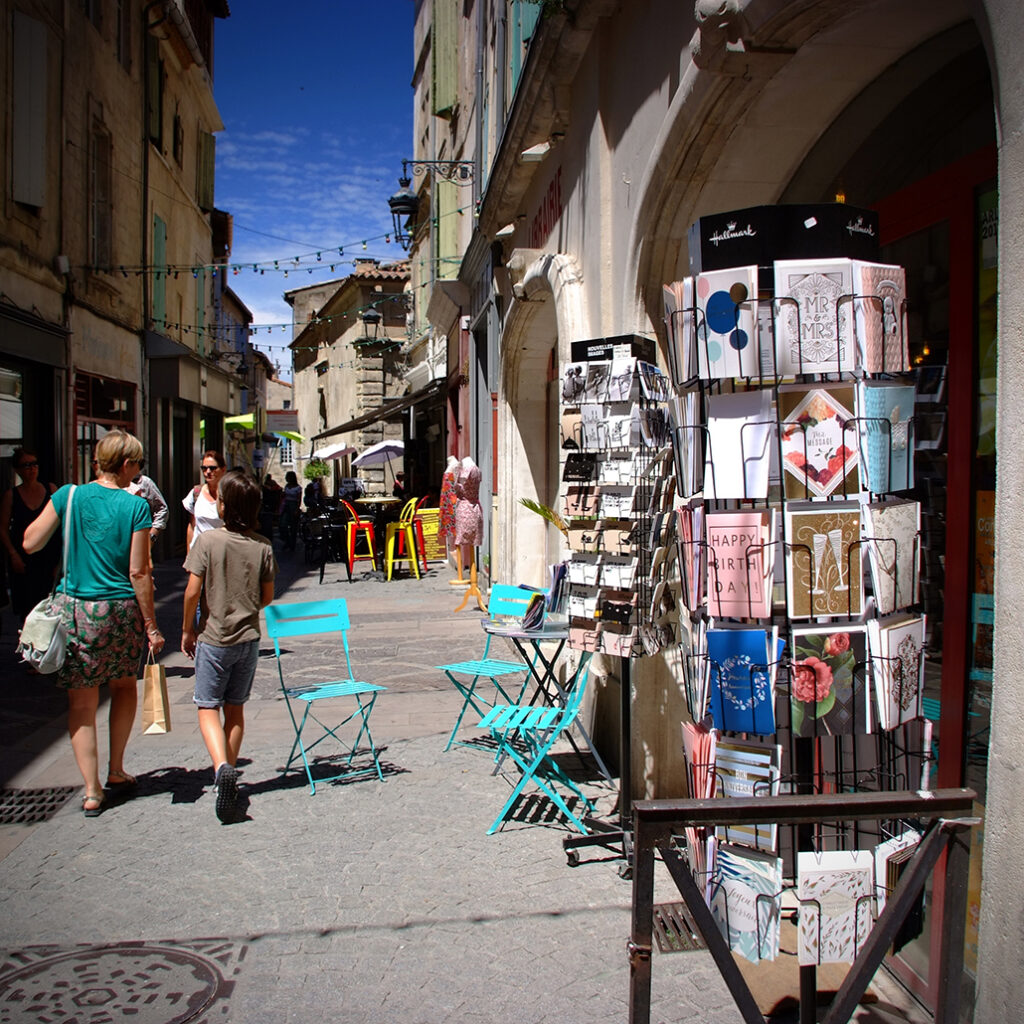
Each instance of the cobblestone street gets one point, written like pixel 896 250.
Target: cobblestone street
pixel 368 901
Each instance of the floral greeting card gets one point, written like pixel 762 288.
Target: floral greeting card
pixel 828 694
pixel 835 890
pixel 746 901
pixel 823 560
pixel 819 440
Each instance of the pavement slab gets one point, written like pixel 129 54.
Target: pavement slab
pixel 369 901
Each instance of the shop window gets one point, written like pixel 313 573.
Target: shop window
pixel 101 405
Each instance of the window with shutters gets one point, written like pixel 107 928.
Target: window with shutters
pixel 154 92
pixel 159 280
pixel 101 203
pixel 93 10
pixel 29 125
pixel 178 143
pixel 522 17
pixel 205 160
pixel 123 41
pixel 447 233
pixel 444 51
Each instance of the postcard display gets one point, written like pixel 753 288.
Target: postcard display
pixel 797 550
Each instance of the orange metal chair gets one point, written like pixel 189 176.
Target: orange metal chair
pixel 355 526
pixel 403 533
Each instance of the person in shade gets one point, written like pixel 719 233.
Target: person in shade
pixel 201 502
pixel 31 577
pixel 234 566
pixel 106 604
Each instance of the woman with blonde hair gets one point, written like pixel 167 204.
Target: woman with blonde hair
pixel 106 603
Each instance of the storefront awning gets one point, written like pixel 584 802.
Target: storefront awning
pixel 387 410
pixel 247 421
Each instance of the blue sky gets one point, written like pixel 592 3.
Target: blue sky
pixel 317 107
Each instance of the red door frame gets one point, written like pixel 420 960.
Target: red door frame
pixel 950 195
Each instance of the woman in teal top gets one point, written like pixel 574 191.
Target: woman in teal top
pixel 106 602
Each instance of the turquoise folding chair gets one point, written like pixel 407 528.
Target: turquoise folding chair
pixel 308 618
pixel 506 601
pixel 537 728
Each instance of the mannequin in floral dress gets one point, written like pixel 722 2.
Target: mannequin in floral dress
pixel 446 514
pixel 469 525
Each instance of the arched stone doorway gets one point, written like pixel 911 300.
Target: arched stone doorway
pixel 546 314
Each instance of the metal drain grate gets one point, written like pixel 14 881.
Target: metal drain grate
pixel 30 806
pixel 674 930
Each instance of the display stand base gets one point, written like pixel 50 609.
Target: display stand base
pixel 473 590
pixel 458 583
pixel 618 840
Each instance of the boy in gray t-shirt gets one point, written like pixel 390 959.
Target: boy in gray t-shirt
pixel 236 567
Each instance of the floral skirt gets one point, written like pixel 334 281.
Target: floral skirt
pixel 105 641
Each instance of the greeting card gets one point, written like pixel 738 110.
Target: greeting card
pixel 741 561
pixel 727 340
pixel 897 666
pixel 880 317
pixel 741 428
pixel 891 531
pixel 574 383
pixel 828 692
pixel 687 441
pixel 835 890
pixel 814 305
pixel 890 856
pixel 679 322
pixel 747 770
pixel 884 426
pixel 742 664
pixel 598 381
pixel 823 560
pixel 746 901
pixel 819 440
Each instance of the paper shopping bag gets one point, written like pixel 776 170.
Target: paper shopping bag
pixel 156 708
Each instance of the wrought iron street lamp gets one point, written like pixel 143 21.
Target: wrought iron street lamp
pixel 405 204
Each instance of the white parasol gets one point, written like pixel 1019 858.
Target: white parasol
pixel 380 453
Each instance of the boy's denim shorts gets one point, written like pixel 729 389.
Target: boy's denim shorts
pixel 224 674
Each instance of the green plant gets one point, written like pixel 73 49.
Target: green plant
pixel 546 513
pixel 316 470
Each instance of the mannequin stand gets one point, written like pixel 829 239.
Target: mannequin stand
pixel 461 581
pixel 473 590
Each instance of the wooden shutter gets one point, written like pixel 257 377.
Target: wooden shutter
pixel 154 91
pixel 445 54
pixel 159 280
pixel 448 219
pixel 205 162
pixel 28 120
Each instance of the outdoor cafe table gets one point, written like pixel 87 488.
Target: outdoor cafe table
pixel 378 509
pixel 541 667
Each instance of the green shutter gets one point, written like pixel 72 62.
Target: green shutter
pixel 200 277
pixel 445 55
pixel 206 159
pixel 447 229
pixel 159 272
pixel 524 17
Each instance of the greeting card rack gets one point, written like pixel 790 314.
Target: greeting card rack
pixel 618 498
pixel 793 422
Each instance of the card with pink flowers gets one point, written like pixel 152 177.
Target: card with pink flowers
pixel 828 690
pixel 818 436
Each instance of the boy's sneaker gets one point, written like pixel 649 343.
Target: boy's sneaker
pixel 226 784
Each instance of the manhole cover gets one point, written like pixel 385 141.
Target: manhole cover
pixel 141 982
pixel 674 930
pixel 29 806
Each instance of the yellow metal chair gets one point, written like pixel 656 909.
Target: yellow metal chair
pixel 403 533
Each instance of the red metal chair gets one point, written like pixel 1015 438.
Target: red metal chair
pixel 355 526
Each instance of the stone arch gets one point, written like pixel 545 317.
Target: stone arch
pixel 547 313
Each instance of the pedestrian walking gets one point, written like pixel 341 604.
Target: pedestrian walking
pixel 106 605
pixel 234 567
pixel 290 510
pixel 145 487
pixel 201 502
